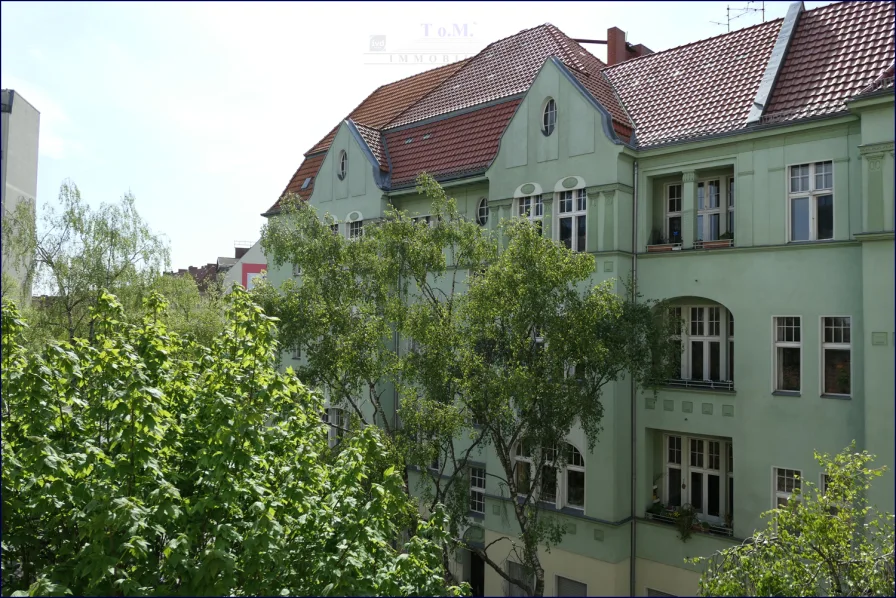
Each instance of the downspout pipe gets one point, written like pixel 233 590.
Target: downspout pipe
pixel 634 439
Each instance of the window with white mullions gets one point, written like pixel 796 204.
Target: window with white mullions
pixel 836 352
pixel 482 212
pixel 788 352
pixel 786 481
pixel 531 207
pixel 673 213
pixel 731 205
pixel 707 339
pixel 477 490
pixel 549 117
pixel 342 168
pixel 562 481
pixel 708 210
pixel 572 213
pixel 355 229
pixel 701 477
pixel 338 421
pixel 811 201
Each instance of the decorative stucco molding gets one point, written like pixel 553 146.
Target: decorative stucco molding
pixel 875 148
pixel 689 176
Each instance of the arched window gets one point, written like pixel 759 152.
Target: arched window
pixel 562 479
pixel 482 212
pixel 549 117
pixel 707 346
pixel 343 165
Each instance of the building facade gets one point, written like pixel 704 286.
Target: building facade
pixel 20 129
pixel 747 178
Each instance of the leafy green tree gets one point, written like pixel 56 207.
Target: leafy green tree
pixel 441 317
pixel 144 464
pixel 823 542
pixel 539 342
pixel 77 252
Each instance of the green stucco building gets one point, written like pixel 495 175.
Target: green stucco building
pixel 748 177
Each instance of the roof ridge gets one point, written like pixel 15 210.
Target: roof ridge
pixel 564 41
pixel 699 41
pixel 455 73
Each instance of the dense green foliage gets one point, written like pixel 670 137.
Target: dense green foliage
pixel 460 324
pixel 143 463
pixel 77 252
pixel 823 542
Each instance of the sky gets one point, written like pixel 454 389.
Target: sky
pixel 203 110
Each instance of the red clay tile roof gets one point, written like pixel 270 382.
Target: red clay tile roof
pixel 699 89
pixel 507 67
pixel 374 140
pixel 309 168
pixel 836 51
pixel 454 145
pixel 884 81
pixel 388 101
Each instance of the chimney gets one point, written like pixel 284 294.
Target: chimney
pixel 619 50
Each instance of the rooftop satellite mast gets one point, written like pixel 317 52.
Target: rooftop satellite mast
pixel 736 13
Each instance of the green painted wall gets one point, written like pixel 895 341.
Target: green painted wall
pixel 763 276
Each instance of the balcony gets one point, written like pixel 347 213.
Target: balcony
pixel 724 385
pixel 685 520
pixel 715 244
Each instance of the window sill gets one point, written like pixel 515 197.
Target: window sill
pixel 787 393
pixel 838 397
pixel 810 241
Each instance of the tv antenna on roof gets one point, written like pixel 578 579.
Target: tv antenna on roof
pixel 736 13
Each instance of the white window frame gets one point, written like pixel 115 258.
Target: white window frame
pixel 549 117
pixel 531 207
pixel 337 420
pixel 812 192
pixel 297 353
pixel 787 494
pixel 334 228
pixel 670 214
pixel 686 467
pixel 777 375
pixel 836 346
pixel 477 489
pixel 578 199
pixel 724 338
pixel 708 211
pixel 296 270
pixel 354 230
pixel 731 191
pixel 561 485
pixel 482 212
pixel 342 165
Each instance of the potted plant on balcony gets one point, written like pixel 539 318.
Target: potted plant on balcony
pixel 686 521
pixel 656 492
pixel 659 243
pixel 726 239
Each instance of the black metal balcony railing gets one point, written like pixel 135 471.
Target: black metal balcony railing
pixel 668 518
pixel 727 385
